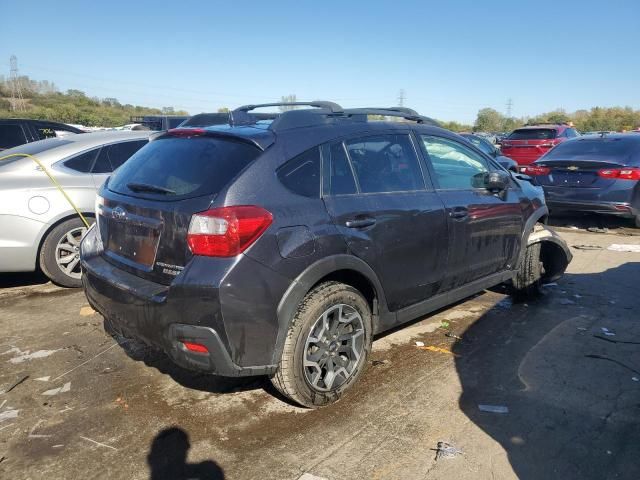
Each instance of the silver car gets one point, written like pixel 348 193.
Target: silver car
pixel 39 228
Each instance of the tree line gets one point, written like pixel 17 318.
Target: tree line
pixel 43 100
pixel 596 119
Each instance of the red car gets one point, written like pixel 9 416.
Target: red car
pixel 525 145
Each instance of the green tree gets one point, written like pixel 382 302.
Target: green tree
pixel 489 120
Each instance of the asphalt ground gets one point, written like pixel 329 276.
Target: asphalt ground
pixel 559 376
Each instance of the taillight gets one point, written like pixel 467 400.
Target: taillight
pixel 535 170
pixel 195 347
pixel 227 231
pixel 186 132
pixel 620 173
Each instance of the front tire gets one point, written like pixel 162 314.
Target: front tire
pixel 527 284
pixel 60 253
pixel 326 347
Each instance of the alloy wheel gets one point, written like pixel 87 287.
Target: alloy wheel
pixel 333 348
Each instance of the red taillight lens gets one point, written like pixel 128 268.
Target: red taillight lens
pixel 227 231
pixel 195 347
pixel 186 132
pixel 535 170
pixel 620 173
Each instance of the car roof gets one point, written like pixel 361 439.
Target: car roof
pixel 543 125
pixel 65 126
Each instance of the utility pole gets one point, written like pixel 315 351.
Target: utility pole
pixel 16 100
pixel 401 97
pixel 509 107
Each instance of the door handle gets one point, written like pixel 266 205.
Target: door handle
pixel 459 213
pixel 360 222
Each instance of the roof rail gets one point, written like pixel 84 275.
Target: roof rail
pixel 334 107
pixel 401 112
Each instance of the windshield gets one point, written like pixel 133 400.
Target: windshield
pixel 533 134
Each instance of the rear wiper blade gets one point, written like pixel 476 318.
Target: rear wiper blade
pixel 145 187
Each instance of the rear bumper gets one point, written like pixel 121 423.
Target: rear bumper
pixel 231 310
pixel 620 209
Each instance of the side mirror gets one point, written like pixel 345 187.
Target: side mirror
pixel 493 181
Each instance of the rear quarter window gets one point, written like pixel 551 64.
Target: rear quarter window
pixel 533 134
pixel 187 167
pixel 301 175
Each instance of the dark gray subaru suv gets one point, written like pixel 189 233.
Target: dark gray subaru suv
pixel 279 246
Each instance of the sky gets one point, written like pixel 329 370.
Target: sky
pixel 451 58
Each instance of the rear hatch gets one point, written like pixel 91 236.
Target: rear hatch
pixel 145 208
pixel 526 145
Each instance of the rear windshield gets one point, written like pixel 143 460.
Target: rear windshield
pixel 594 149
pixel 533 134
pixel 182 167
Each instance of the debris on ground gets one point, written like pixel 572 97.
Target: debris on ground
pixel 43 379
pixel 55 391
pixel 8 415
pixel 505 303
pixel 598 230
pixel 607 332
pixel 587 247
pixel 17 383
pixel 98 443
pixel 493 408
pixel 87 311
pixel 433 348
pixel 452 335
pixel 23 356
pixel 308 476
pixel 380 362
pixel 419 344
pixel 446 450
pixel 444 324
pixel 624 247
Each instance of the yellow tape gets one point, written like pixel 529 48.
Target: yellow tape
pixel 53 180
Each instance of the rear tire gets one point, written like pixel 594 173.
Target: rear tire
pixel 527 284
pixel 60 253
pixel 326 347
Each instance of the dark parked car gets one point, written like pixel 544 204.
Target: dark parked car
pixel 18 131
pixel 592 174
pixel 525 145
pixel 159 122
pixel 490 149
pixel 282 247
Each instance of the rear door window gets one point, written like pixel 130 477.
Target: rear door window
pixel 455 165
pixel 11 135
pixel 339 179
pixel 301 175
pixel 183 167
pixel 533 134
pixel 112 156
pixel 385 163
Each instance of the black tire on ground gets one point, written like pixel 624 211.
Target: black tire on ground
pixel 527 284
pixel 51 248
pixel 292 377
pixel 636 221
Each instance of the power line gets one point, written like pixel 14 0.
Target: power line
pixel 16 100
